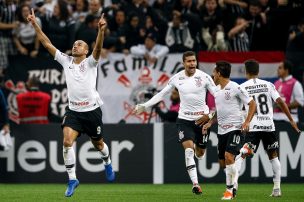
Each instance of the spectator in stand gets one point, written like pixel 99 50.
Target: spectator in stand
pixel 45 7
pixel 233 9
pixel 211 15
pixel 239 40
pixel 88 31
pixel 60 28
pixel 172 113
pixel 95 8
pixel 7 24
pixel 188 11
pixel 33 105
pixel 4 121
pixel 290 90
pixel 163 11
pixel 216 40
pixel 136 7
pixel 257 30
pixel 295 50
pixel 24 35
pixel 178 37
pixel 80 12
pixel 135 34
pixel 150 50
pixel 117 26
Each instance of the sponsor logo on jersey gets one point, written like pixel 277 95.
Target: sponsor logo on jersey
pixel 194 113
pixel 262 127
pixel 79 103
pixel 263 118
pixel 226 126
pixel 181 78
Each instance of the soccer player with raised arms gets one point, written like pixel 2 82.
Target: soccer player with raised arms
pixel 192 85
pixel 262 127
pixel 83 114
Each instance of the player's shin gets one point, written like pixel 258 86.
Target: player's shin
pixel 105 155
pixel 190 165
pixel 69 161
pixel 276 167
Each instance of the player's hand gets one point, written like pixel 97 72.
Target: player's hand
pixel 139 109
pixel 202 120
pixel 31 17
pixel 6 129
pixel 102 24
pixel 245 127
pixel 295 127
pixel 206 127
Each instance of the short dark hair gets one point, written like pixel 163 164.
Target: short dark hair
pixel 187 54
pixel 224 68
pixel 287 65
pixel 252 67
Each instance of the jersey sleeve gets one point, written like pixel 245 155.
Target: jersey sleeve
pixel 273 92
pixel 159 96
pixel 92 62
pixel 243 94
pixel 298 93
pixel 62 58
pixel 210 85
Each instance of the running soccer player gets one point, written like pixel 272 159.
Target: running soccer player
pixel 229 100
pixel 192 85
pixel 83 114
pixel 262 127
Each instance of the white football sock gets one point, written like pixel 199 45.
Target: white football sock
pixel 230 176
pixel 276 167
pixel 190 165
pixel 69 161
pixel 238 166
pixel 105 154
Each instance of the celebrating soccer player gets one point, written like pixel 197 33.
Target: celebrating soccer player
pixel 229 100
pixel 262 126
pixel 192 85
pixel 83 114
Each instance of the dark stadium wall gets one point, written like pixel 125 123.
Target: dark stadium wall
pixel 141 153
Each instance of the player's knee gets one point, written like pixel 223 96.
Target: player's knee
pixel 199 154
pixel 229 158
pixel 67 142
pixel 272 154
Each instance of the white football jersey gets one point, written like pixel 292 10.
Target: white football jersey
pixel 192 91
pixel 263 93
pixel 229 102
pixel 81 82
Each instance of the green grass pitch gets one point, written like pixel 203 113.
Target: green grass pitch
pixel 144 192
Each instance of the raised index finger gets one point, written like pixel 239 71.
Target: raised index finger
pixel 33 13
pixel 102 15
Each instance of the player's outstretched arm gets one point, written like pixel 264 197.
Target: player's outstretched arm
pixel 102 24
pixel 285 109
pixel 41 36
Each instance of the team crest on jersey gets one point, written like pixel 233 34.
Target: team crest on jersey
pixel 82 67
pixel 227 96
pixel 198 81
pixel 181 135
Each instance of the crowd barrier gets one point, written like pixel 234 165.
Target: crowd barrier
pixel 141 153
